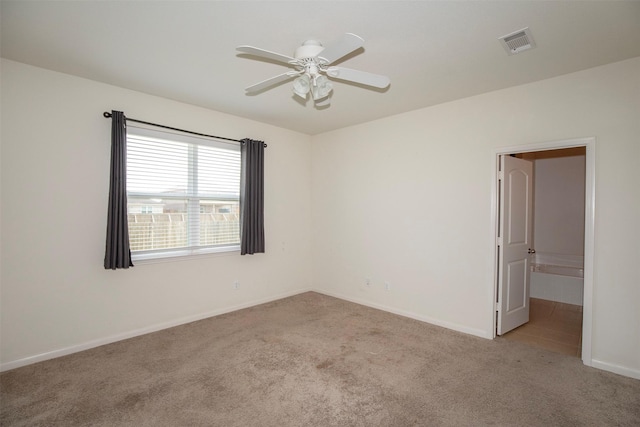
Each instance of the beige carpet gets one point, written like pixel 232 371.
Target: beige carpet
pixel 312 360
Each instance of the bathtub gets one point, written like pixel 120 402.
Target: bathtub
pixel 557 278
pixel 560 270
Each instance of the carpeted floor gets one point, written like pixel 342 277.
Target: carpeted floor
pixel 313 360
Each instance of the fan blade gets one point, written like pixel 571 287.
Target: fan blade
pixel 356 76
pixel 265 54
pixel 348 44
pixel 272 81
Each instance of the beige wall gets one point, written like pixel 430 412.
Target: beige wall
pixel 56 296
pixel 407 200
pixel 404 200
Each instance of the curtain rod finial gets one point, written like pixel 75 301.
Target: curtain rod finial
pixel 106 114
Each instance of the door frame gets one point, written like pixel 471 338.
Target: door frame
pixel 589 228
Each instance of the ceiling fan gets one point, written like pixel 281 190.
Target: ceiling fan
pixel 311 64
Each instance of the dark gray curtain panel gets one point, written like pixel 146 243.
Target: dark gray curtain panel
pixel 117 252
pixel 252 197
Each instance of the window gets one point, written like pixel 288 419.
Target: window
pixel 182 194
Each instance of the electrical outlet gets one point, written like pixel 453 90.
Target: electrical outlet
pixel 367 282
pixel 387 286
pixel 236 285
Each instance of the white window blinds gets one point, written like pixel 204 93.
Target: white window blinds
pixel 182 194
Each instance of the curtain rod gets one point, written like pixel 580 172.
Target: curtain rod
pixel 108 115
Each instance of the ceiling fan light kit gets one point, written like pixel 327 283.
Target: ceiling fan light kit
pixel 311 69
pixel 311 81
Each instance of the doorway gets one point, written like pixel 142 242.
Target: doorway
pixel 561 309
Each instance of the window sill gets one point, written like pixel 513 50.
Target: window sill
pixel 183 255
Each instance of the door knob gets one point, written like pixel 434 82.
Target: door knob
pixel 532 251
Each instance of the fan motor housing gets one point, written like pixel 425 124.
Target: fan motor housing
pixel 309 49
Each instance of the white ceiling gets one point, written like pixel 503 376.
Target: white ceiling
pixel 433 52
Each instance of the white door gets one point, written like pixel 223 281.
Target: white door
pixel 514 242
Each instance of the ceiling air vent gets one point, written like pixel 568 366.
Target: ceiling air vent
pixel 518 41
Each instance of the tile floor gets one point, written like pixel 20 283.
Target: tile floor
pixel 552 325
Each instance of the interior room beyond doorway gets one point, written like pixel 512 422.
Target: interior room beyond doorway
pixel 556 300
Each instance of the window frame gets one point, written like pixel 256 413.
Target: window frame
pixel 193 202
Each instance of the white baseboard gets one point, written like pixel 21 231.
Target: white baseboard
pixel 137 332
pixel 453 326
pixel 616 369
